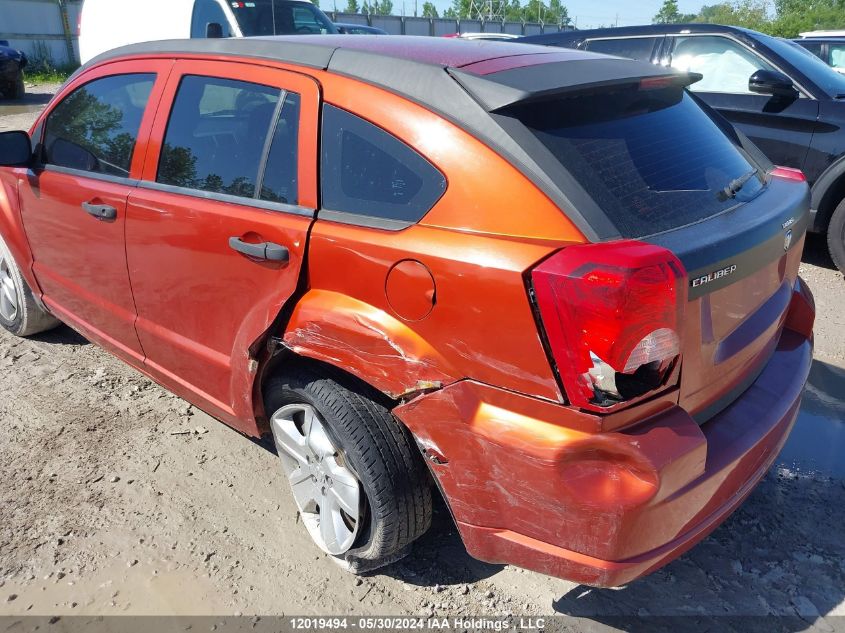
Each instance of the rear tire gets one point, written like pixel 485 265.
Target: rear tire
pixel 836 237
pixel 19 88
pixel 20 313
pixel 395 499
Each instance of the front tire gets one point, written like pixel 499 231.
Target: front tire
pixel 20 313
pixel 360 484
pixel 836 237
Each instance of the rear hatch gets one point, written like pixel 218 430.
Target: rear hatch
pixel 660 169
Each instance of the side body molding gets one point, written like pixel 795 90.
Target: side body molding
pixel 367 341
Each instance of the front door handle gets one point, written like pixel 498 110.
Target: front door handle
pixel 100 211
pixel 265 251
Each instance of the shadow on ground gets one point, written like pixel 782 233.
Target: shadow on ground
pixel 439 557
pixel 816 253
pixel 61 335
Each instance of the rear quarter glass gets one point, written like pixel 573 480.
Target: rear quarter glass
pixel 652 160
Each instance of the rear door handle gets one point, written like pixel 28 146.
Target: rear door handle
pixel 265 251
pixel 100 211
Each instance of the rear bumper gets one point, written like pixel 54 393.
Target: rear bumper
pixel 529 483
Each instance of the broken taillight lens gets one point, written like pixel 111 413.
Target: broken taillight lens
pixel 613 316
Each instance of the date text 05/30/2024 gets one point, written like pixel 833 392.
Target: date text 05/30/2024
pixel 418 623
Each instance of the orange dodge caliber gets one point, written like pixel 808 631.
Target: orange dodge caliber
pixel 549 283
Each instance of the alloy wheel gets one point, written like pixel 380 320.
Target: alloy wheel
pixel 325 488
pixel 8 293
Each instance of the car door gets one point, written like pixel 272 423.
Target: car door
pixel 73 205
pixel 217 229
pixel 781 127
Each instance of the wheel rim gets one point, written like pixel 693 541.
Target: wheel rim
pixel 326 490
pixel 8 293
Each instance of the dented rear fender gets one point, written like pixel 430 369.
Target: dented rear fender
pixel 367 342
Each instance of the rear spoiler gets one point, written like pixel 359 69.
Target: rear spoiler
pixel 540 82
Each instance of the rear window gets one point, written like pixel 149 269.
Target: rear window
pixel 653 160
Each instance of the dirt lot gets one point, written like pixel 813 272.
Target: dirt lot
pixel 118 498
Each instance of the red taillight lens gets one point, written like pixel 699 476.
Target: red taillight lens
pixel 788 173
pixel 613 316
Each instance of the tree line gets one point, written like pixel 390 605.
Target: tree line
pixel 551 12
pixel 783 18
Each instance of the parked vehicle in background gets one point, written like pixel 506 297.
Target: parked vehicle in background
pixel 828 46
pixel 12 63
pixel 784 98
pixel 315 240
pixel 483 36
pixel 107 24
pixel 345 28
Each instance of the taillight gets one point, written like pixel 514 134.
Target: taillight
pixel 613 314
pixel 788 173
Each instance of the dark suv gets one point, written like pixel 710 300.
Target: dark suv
pixel 12 63
pixel 789 102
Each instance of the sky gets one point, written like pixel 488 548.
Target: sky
pixel 593 13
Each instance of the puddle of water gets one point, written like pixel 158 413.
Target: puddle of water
pixel 817 443
pixel 24 108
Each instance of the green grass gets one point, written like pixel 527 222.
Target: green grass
pixel 47 74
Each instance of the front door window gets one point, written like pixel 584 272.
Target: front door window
pixel 726 65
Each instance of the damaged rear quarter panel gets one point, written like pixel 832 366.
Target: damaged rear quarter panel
pixel 367 341
pixel 481 326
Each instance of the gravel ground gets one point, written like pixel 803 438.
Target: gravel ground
pixel 116 497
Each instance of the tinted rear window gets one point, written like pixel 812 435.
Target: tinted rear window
pixel 653 160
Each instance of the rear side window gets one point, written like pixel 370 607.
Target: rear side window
pixel 653 160
pixel 95 128
pixel 631 47
pixel 367 171
pixel 217 138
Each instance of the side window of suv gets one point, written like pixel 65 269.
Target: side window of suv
pixel 217 139
pixel 369 172
pixel 631 47
pixel 208 12
pixel 95 128
pixel 726 65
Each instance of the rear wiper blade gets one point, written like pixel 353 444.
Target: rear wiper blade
pixel 734 186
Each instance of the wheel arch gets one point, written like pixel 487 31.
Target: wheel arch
pixel 826 194
pixel 352 338
pixel 12 230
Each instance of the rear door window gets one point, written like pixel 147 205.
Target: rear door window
pixel 217 139
pixel 369 172
pixel 95 128
pixel 653 160
pixel 631 47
